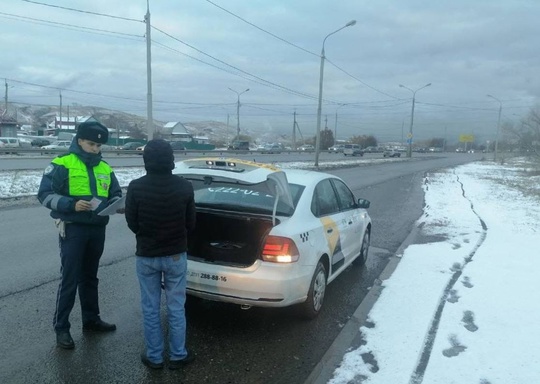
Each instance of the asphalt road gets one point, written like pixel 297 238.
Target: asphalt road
pixel 231 345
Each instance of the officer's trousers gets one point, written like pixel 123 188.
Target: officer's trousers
pixel 80 251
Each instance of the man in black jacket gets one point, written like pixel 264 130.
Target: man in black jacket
pixel 160 210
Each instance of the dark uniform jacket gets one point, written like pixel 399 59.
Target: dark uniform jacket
pixel 78 175
pixel 160 210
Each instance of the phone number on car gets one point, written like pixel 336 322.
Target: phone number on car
pixel 207 276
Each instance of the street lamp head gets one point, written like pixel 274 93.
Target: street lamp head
pixel 427 85
pixel 401 86
pixel 494 98
pixel 350 23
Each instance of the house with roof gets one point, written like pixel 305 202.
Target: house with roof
pixel 176 131
pixel 8 126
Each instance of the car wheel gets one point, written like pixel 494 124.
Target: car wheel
pixel 362 257
pixel 312 306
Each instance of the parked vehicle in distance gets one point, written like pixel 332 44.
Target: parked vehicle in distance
pixel 60 144
pixel 336 148
pixel 352 150
pixel 270 148
pixel 306 147
pixel 10 142
pixel 271 237
pixel 239 146
pixel 177 145
pixel 372 149
pixel 130 146
pixel 39 142
pixel 391 153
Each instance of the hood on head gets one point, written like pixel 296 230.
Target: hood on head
pixel 158 156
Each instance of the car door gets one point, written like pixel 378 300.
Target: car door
pixel 325 207
pixel 354 221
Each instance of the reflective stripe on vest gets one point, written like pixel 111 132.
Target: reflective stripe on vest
pixel 79 183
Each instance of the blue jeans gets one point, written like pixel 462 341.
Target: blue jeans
pixel 151 271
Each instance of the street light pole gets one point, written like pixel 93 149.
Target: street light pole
pixel 498 127
pixel 335 125
pixel 238 111
pixel 409 148
pixel 318 135
pixel 149 113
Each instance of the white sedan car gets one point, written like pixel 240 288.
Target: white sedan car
pixel 271 237
pixel 61 144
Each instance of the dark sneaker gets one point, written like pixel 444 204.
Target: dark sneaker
pixel 99 326
pixel 177 364
pixel 64 340
pixel 149 364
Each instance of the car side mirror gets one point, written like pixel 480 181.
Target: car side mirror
pixel 363 203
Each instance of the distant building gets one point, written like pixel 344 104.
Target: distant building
pixel 8 126
pixel 176 131
pixel 66 125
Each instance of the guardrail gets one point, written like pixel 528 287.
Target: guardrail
pixel 118 152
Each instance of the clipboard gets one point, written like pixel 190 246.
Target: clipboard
pixel 111 209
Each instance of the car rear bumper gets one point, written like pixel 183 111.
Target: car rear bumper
pixel 262 284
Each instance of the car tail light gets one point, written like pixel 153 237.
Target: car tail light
pixel 277 249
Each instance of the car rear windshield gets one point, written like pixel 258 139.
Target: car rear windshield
pixel 245 199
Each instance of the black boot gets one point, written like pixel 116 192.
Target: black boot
pixel 64 340
pixel 98 326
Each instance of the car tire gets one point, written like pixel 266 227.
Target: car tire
pixel 314 302
pixel 364 251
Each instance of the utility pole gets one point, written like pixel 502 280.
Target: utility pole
pixel 294 131
pixel 238 111
pixel 498 127
pixel 410 136
pixel 6 97
pixel 228 129
pixel 444 141
pixel 60 109
pixel 149 117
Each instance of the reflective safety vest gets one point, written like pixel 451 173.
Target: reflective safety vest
pixel 79 178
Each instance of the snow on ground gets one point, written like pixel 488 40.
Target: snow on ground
pixel 26 182
pixel 463 307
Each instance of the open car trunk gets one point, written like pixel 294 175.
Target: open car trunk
pixel 229 239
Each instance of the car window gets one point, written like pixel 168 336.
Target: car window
pixel 345 196
pixel 324 199
pixel 245 198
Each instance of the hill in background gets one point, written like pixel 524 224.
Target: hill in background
pixel 39 116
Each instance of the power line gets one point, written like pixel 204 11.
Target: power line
pixel 82 11
pixel 69 26
pixel 362 82
pixel 261 29
pixel 236 68
pixel 296 46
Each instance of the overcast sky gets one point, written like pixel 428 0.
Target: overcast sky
pixel 465 48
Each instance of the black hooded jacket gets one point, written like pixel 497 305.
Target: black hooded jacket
pixel 160 207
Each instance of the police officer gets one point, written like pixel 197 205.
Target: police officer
pixel 76 186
